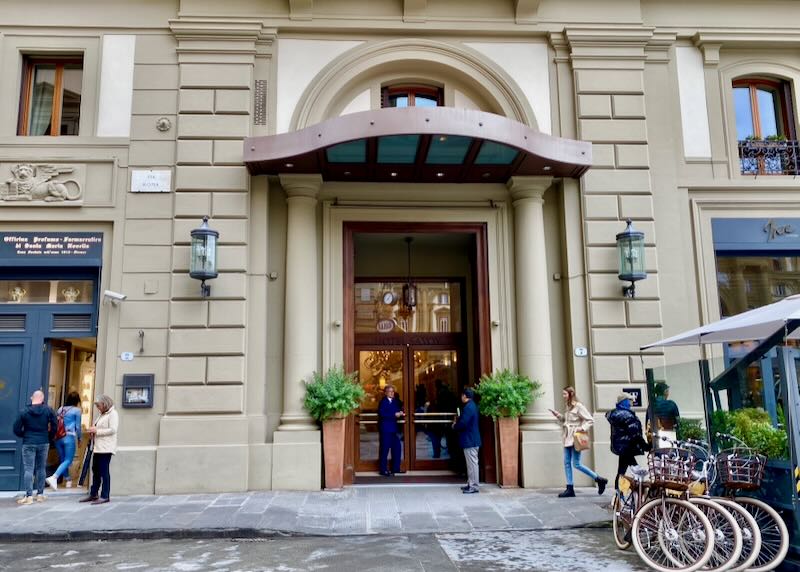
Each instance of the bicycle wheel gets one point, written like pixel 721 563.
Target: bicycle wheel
pixel 751 535
pixel 672 535
pixel 727 535
pixel 624 508
pixel 774 534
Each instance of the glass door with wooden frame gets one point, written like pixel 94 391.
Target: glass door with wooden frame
pixel 427 384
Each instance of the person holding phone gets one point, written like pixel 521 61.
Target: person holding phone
pixel 575 418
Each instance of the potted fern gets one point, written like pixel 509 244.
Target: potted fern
pixel 505 396
pixel 330 398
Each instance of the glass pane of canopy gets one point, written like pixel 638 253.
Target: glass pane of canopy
pixel 398 149
pixel 448 149
pixel 350 152
pixel 492 153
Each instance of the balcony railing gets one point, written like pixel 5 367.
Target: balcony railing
pixel 758 157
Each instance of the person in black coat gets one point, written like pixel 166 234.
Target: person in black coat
pixel 626 435
pixel 469 437
pixel 36 426
pixel 389 411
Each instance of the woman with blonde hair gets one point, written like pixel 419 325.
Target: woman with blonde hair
pixel 575 418
pixel 104 434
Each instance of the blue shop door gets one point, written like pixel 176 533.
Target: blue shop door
pixel 14 359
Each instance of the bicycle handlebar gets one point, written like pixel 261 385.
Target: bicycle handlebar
pixel 730 437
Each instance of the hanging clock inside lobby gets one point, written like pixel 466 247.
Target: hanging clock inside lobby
pixel 389 298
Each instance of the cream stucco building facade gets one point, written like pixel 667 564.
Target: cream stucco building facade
pixel 178 91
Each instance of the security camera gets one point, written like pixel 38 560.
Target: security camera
pixel 113 297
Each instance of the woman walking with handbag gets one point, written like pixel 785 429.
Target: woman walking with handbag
pixel 575 424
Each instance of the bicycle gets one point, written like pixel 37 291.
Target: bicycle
pixel 741 469
pixel 670 533
pixel 735 550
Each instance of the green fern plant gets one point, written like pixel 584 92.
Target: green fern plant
pixel 506 394
pixel 332 394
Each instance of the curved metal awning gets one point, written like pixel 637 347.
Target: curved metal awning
pixel 418 144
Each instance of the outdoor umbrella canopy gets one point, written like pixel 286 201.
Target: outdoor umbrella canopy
pixel 756 324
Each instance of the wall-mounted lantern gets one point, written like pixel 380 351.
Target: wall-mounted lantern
pixel 203 263
pixel 630 247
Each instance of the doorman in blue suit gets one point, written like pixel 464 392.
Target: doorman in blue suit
pixel 389 411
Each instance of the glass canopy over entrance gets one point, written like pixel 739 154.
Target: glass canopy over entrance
pixel 435 144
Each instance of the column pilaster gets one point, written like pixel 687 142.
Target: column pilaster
pixel 534 348
pixel 302 318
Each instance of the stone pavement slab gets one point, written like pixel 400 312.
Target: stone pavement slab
pixel 359 510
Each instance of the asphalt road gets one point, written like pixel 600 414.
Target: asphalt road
pixel 574 550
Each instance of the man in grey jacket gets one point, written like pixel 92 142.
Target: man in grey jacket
pixel 37 426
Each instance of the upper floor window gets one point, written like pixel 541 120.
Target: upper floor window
pixel 50 101
pixel 765 127
pixel 412 96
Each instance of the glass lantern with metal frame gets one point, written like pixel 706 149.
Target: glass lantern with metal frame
pixel 630 248
pixel 203 261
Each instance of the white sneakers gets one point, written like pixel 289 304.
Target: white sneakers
pixel 68 484
pixel 52 482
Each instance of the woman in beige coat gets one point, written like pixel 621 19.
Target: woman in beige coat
pixel 104 434
pixel 575 418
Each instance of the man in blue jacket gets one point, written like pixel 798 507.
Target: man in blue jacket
pixel 389 411
pixel 37 426
pixel 469 437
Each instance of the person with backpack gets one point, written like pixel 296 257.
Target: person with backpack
pixel 36 426
pixel 626 435
pixel 68 435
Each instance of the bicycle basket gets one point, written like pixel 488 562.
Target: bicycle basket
pixel 740 468
pixel 671 468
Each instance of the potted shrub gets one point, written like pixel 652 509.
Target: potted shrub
pixel 504 396
pixel 330 398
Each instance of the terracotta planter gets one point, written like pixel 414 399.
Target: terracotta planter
pixel 508 451
pixel 333 451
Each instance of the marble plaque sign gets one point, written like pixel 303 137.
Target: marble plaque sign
pixel 151 180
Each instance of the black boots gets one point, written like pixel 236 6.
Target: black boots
pixel 568 492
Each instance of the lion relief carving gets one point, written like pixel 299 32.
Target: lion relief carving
pixel 40 183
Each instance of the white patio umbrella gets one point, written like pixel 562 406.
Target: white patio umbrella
pixel 757 324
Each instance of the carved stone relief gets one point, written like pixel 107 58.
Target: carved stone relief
pixel 42 183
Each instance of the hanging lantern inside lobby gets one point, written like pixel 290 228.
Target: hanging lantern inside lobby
pixel 203 262
pixel 409 288
pixel 630 248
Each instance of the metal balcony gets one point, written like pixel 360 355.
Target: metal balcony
pixel 760 157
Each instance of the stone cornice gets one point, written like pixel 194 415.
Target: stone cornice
pixel 749 37
pixel 603 46
pixel 202 35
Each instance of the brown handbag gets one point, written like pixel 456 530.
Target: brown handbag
pixel 580 440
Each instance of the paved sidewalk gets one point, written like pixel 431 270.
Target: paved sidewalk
pixel 353 511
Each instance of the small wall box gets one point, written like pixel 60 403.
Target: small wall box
pixel 137 390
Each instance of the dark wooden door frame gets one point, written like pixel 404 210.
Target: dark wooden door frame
pixel 481 319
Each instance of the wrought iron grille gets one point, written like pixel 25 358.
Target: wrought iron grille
pixel 769 157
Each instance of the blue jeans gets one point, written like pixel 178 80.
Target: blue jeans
pixel 34 462
pixel 66 451
pixel 572 458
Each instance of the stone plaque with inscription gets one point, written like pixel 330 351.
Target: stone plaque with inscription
pixel 151 180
